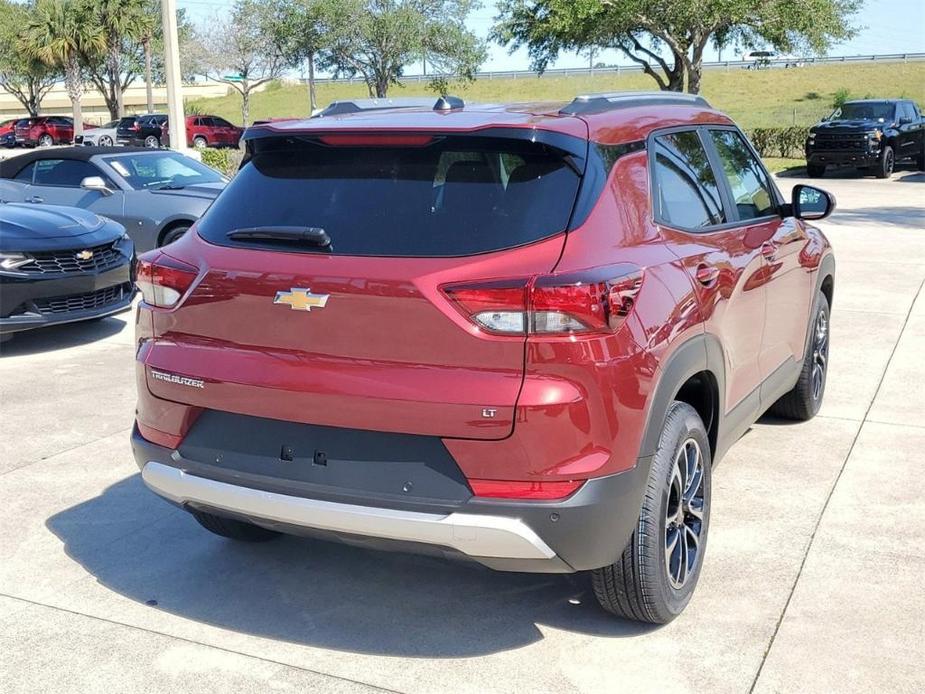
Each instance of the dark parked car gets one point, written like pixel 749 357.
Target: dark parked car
pixel 521 335
pixel 156 194
pixel 60 265
pixel 141 131
pixel 207 131
pixel 872 135
pixel 45 131
pixel 8 133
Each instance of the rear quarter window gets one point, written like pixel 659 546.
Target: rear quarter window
pixel 455 196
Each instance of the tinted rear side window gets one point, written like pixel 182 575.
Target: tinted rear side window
pixel 686 192
pixel 455 196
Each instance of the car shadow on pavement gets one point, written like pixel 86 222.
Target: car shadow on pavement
pixel 60 336
pixel 320 593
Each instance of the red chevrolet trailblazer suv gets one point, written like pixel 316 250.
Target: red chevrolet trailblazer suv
pixel 519 334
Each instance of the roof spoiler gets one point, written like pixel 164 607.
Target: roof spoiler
pixel 611 101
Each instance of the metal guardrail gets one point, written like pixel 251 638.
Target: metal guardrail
pixel 616 70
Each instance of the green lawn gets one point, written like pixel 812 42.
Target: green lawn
pixel 754 98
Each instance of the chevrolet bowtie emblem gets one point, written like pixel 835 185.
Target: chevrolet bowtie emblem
pixel 301 299
pixel 85 254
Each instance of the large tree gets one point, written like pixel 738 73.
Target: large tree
pixel 304 29
pixel 24 76
pixel 123 24
pixel 58 34
pixel 242 50
pixel 376 39
pixel 667 38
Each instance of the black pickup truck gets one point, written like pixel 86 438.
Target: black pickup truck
pixel 871 135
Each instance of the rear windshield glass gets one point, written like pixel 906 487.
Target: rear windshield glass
pixel 861 110
pixel 454 196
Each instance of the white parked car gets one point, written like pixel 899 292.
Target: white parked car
pixel 103 136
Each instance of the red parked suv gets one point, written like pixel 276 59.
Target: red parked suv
pixel 208 131
pixel 45 131
pixel 519 334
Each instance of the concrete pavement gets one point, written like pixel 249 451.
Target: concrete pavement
pixel 812 581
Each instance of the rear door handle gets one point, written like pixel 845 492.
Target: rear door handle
pixel 35 199
pixel 768 249
pixel 707 275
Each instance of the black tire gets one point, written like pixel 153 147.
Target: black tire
pixel 920 160
pixel 803 402
pixel 152 142
pixel 173 235
pixel 638 585
pixel 884 167
pixel 815 170
pixel 233 529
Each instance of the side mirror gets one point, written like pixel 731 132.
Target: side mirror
pixel 808 202
pixel 96 183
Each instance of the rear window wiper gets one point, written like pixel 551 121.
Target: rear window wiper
pixel 310 236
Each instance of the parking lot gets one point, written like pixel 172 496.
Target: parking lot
pixel 812 581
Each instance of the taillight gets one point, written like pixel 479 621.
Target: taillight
pixel 591 301
pixel 162 280
pixel 135 127
pixel 506 489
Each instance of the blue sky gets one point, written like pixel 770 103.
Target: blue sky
pixel 886 26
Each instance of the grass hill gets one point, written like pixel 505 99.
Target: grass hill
pixel 754 98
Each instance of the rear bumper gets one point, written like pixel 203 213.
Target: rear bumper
pixel 587 530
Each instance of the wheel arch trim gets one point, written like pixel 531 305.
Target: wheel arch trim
pixel 702 353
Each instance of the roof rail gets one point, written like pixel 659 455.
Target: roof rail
pixel 610 101
pixel 449 103
pixel 342 106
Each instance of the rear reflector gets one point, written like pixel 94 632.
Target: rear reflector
pixel 161 279
pixel 505 489
pixel 161 438
pixel 593 301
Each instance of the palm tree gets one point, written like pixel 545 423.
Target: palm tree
pixel 58 34
pixel 121 21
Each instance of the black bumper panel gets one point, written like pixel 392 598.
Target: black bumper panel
pixel 836 158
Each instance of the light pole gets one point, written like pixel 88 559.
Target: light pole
pixel 174 79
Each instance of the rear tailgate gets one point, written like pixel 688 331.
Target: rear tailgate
pixel 363 337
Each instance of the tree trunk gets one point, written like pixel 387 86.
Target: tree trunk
pixel 245 105
pixel 695 67
pixel 312 97
pixel 115 79
pixel 382 86
pixel 149 85
pixel 74 88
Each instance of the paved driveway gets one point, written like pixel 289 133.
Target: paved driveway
pixel 813 579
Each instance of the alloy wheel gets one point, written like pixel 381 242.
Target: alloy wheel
pixel 889 163
pixel 684 513
pixel 105 141
pixel 151 142
pixel 820 353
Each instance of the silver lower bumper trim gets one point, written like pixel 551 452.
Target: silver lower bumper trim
pixel 472 534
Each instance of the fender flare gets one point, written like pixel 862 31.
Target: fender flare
pixel 700 353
